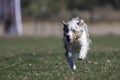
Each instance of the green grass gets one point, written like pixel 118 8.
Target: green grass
pixel 43 59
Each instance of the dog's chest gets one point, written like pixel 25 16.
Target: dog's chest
pixel 76 46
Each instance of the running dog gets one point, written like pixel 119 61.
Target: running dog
pixel 76 40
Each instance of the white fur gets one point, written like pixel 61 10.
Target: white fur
pixel 81 44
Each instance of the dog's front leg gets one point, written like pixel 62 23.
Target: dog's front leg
pixel 83 52
pixel 69 57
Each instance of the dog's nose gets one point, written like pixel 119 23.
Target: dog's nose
pixel 68 38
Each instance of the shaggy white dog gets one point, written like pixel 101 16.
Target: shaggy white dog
pixel 76 39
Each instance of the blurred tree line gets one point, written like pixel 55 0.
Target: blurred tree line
pixel 42 9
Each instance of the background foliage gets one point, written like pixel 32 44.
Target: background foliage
pixel 53 8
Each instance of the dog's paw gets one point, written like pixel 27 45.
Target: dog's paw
pixel 81 57
pixel 74 67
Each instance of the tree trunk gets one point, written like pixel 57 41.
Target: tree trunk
pixel 12 17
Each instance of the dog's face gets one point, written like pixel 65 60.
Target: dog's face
pixel 72 29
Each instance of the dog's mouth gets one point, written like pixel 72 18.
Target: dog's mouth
pixel 70 41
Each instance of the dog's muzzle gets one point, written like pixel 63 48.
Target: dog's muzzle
pixel 75 37
pixel 68 38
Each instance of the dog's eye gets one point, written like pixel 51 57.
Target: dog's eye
pixel 78 23
pixel 66 29
pixel 74 31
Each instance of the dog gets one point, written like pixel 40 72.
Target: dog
pixel 76 40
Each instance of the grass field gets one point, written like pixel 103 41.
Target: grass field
pixel 43 59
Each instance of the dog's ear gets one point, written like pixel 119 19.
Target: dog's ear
pixel 78 19
pixel 82 22
pixel 64 24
